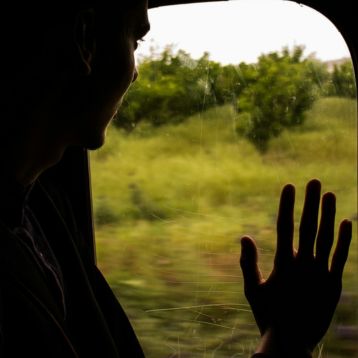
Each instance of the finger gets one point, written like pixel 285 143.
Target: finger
pixel 285 225
pixel 341 252
pixel 325 235
pixel 309 219
pixel 248 263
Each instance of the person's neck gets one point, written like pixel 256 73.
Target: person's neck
pixel 24 157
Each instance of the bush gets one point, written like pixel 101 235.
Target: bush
pixel 172 87
pixel 281 91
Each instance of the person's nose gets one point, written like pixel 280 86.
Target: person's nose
pixel 135 74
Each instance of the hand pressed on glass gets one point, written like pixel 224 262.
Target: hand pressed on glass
pixel 294 306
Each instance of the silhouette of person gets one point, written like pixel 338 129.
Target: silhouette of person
pixel 64 70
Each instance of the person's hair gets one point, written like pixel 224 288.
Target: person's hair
pixel 25 26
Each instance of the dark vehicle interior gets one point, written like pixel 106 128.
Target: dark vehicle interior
pixel 73 172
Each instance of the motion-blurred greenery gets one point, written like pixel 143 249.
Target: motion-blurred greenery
pixel 171 203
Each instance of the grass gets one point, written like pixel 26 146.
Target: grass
pixel 171 203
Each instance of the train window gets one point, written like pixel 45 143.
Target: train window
pixel 233 101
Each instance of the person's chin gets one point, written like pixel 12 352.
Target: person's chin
pixel 93 141
pixel 94 146
pixel 92 136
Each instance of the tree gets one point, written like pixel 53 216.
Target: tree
pixel 172 87
pixel 343 81
pixel 281 90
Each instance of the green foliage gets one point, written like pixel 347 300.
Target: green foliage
pixel 343 82
pixel 176 198
pixel 175 86
pixel 282 90
pixel 104 215
pixel 270 96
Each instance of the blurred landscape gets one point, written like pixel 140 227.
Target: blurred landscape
pixel 172 201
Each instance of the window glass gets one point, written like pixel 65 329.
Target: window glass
pixel 233 101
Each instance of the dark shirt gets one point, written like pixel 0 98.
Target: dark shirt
pixel 33 238
pixel 19 218
pixel 13 196
pixel 54 302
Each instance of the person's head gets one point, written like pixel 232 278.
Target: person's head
pixel 66 66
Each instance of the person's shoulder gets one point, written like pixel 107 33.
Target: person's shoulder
pixel 9 248
pixel 51 202
pixel 50 194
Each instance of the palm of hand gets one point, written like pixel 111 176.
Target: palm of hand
pixel 299 298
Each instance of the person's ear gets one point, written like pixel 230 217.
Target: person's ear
pixel 85 39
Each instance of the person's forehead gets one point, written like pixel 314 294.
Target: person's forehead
pixel 139 17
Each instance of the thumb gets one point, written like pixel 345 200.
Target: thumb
pixel 248 263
